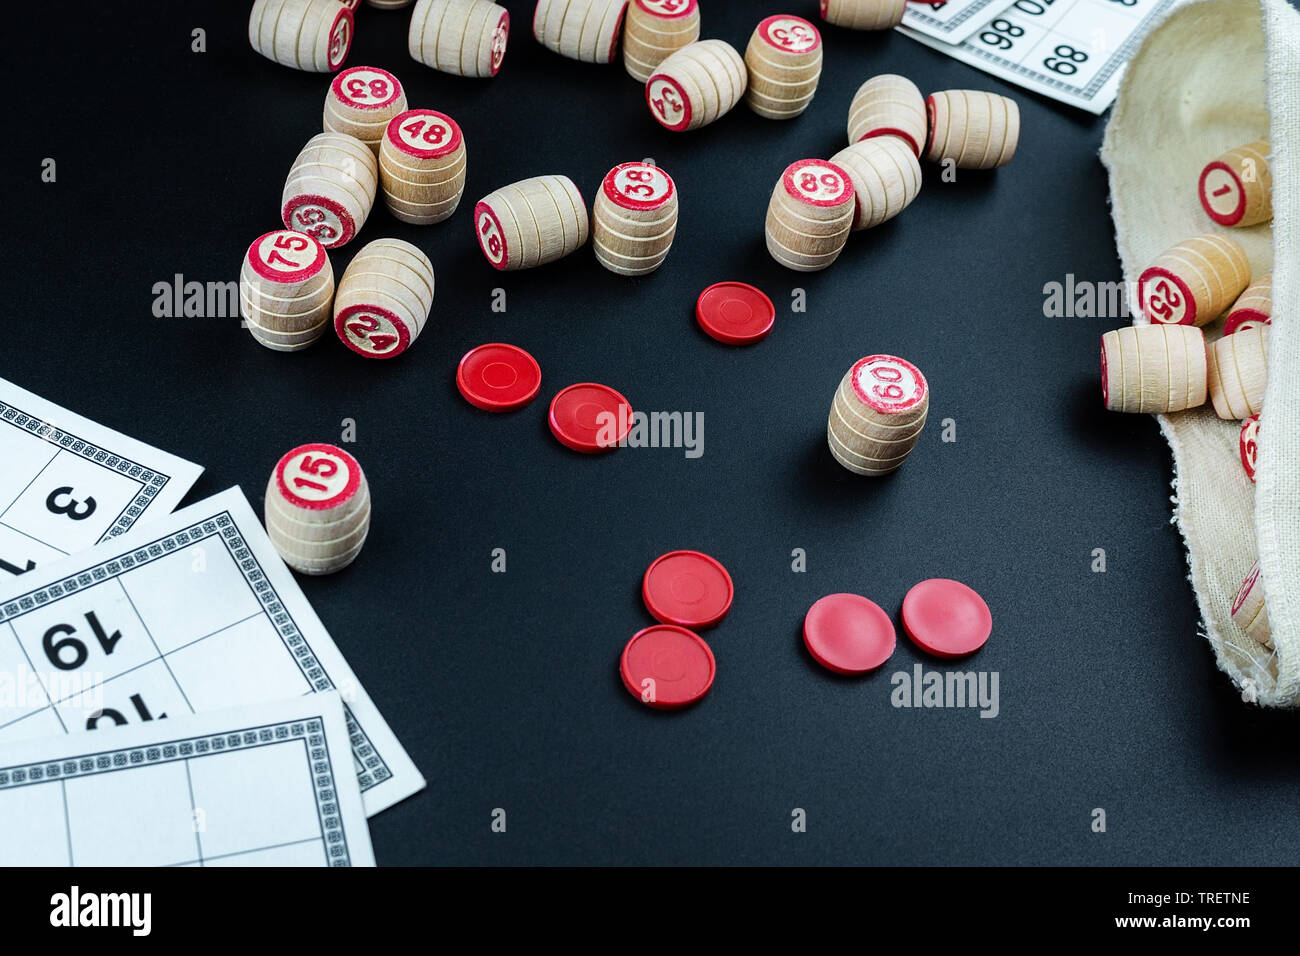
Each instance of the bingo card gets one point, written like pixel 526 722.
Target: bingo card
pixel 950 20
pixel 1074 51
pixel 191 613
pixel 265 785
pixel 67 483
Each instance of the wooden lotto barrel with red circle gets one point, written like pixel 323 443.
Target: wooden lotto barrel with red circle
pixel 810 215
pixel 634 218
pixel 286 290
pixel 784 58
pixel 422 165
pixel 384 299
pixel 318 508
pixel 361 101
pixel 310 35
pixel 877 414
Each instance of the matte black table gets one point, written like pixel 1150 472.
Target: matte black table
pixel 504 686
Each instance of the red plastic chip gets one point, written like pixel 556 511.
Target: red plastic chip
pixel 667 667
pixel 498 378
pixel 946 618
pixel 590 418
pixel 848 634
pixel 735 313
pixel 687 588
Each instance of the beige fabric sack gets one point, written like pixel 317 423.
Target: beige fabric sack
pixel 1212 76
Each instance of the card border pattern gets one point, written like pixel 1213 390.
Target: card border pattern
pixel 310 730
pixel 222 525
pixel 1118 59
pixel 151 480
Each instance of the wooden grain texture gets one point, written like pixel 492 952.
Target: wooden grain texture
pixel 974 129
pixel 886 178
pixel 784 59
pixel 877 414
pixel 384 299
pixel 422 166
pixel 864 14
pixel 330 188
pixel 1237 188
pixel 317 534
pixel 1153 368
pixel 1253 308
pixel 696 85
pixel 360 102
pixel 585 30
pixel 1193 282
pixel 286 290
pixel 810 215
pixel 462 37
pixel 634 219
pixel 656 29
pixel 889 105
pixel 310 35
pixel 531 222
pixel 1238 373
pixel 1249 611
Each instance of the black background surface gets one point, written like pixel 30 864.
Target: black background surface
pixel 504 687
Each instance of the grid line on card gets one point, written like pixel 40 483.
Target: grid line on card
pixel 67 821
pixel 24 533
pixel 948 25
pixel 162 658
pixel 49 698
pixel 1117 60
pixel 194 814
pixel 372 769
pixel 35 477
pixel 308 732
pixel 258 849
pixel 150 480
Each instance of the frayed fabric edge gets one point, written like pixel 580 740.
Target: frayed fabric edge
pixel 1257 684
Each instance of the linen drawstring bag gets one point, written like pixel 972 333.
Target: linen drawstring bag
pixel 1211 76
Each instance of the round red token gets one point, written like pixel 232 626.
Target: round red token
pixel 946 618
pixel 735 313
pixel 687 588
pixel 498 378
pixel 590 418
pixel 667 667
pixel 848 634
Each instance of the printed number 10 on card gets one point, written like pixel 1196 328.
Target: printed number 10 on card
pixel 83 663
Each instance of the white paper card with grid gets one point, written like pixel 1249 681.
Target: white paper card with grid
pixel 191 613
pixel 265 785
pixel 1074 51
pixel 67 483
pixel 950 20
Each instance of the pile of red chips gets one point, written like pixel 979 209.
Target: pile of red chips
pixel 669 666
